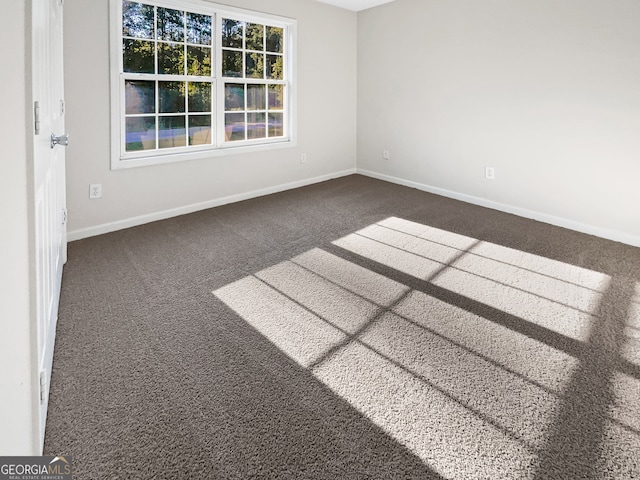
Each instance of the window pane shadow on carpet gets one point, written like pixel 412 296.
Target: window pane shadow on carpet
pixel 166 397
pixel 417 330
pixel 579 444
pixel 320 333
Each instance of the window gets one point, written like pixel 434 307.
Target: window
pixel 192 79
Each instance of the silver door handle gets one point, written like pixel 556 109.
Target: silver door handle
pixel 62 140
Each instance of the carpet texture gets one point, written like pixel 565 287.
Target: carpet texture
pixel 347 330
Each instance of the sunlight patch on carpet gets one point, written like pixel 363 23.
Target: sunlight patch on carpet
pixel 541 291
pixel 466 392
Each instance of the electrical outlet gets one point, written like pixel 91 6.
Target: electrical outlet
pixel 490 173
pixel 95 190
pixel 385 154
pixel 303 158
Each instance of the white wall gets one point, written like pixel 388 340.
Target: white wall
pixel 17 413
pixel 545 91
pixel 326 121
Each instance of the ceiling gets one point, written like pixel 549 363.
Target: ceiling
pixel 356 5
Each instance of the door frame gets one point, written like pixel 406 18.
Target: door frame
pixel 18 378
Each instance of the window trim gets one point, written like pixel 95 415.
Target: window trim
pixel 155 157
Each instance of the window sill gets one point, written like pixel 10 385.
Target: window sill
pixel 118 163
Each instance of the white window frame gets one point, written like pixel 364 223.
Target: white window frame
pixel 121 159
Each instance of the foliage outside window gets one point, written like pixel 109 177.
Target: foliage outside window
pixel 197 77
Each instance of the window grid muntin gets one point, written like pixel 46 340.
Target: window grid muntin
pixel 215 11
pixel 157 113
pixel 246 80
pixel 266 110
pixel 157 77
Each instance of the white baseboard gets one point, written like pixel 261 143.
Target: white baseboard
pixel 174 212
pixel 609 234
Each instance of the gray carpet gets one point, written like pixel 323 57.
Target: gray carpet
pixel 348 330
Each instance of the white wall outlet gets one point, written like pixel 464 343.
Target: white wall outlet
pixel 385 154
pixel 303 158
pixel 490 173
pixel 95 190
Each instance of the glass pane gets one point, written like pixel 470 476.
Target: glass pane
pixel 199 129
pixel 256 99
pixel 171 58
pixel 233 96
pixel 140 133
pixel 138 56
pixel 276 125
pixel 200 97
pixel 275 37
pixel 256 126
pixel 172 132
pixel 198 29
pixel 137 20
pixel 255 65
pixel 170 25
pixel 255 37
pixel 231 63
pixel 199 61
pixel 140 97
pixel 171 97
pixel 276 97
pixel 274 66
pixel 231 33
pixel 234 127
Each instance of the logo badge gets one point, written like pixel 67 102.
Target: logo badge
pixel 36 468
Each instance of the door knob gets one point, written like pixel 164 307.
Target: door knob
pixel 62 140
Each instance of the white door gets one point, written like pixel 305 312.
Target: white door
pixel 49 182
